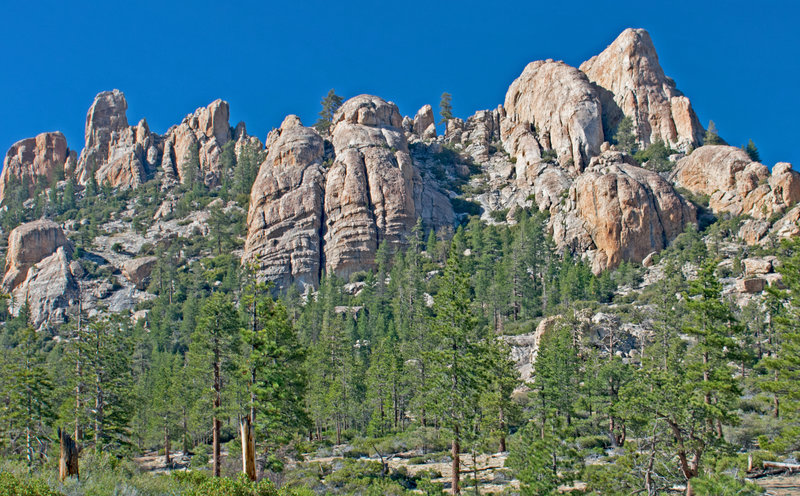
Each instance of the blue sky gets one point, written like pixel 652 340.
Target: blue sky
pixel 737 61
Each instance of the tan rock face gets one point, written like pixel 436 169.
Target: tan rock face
pixel 28 245
pixel 424 125
pixel 369 194
pixel 49 289
pixel 478 133
pixel 195 145
pixel 30 159
pixel 138 271
pixel 116 153
pixel 635 84
pixel 622 211
pixel 553 106
pixel 286 213
pixel 736 184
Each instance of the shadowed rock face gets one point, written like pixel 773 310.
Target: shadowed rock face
pixel 49 289
pixel 552 106
pixel 736 184
pixel 116 153
pixel 28 245
pixel 620 210
pixel 369 194
pixel 36 158
pixel 635 86
pixel 286 212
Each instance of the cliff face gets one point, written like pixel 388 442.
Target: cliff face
pixel 116 153
pixel 284 223
pixel 34 159
pixel 553 107
pixel 632 83
pixel 193 148
pixel 369 194
pixel 328 202
pixel 737 185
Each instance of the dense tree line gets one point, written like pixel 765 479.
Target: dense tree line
pixel 416 345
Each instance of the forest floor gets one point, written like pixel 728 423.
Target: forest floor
pixel 781 485
pixel 490 469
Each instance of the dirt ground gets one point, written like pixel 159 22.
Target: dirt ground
pixel 781 485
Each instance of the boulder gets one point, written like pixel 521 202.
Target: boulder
pixel 193 148
pixel 774 280
pixel 621 211
pixel 756 266
pixel 369 193
pixel 424 125
pixel 116 153
pixel 138 271
pixel 49 289
pixel 750 285
pixel 553 106
pixel 480 134
pixel 633 84
pixel 753 230
pixel 29 244
pixel 735 184
pixel 33 159
pixel 284 222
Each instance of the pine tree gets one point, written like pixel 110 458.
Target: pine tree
pixel 275 366
pixel 625 138
pixel 712 136
pixel 752 151
pixel 163 393
pixel 783 380
pixel 330 104
pixel 26 391
pixel 213 345
pixel 499 409
pixel 458 378
pixel 108 390
pixel 445 107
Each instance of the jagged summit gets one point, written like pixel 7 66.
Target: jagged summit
pixel 326 202
pixel 632 83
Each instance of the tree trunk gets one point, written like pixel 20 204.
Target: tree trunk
pixel 217 425
pixel 167 460
pixel 502 431
pixel 456 462
pixel 68 461
pixel 248 448
pixel 185 433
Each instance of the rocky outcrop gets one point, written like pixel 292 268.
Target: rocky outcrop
pixel 552 106
pixel 286 208
pixel 192 149
pixel 49 289
pixel 633 83
pixel 735 184
pixel 369 194
pixel 116 153
pixel 28 245
pixel 480 134
pixel 424 125
pixel 34 159
pixel 138 271
pixel 620 210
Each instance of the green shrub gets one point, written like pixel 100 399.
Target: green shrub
pixel 11 485
pixel 724 485
pixel 461 206
pixel 499 215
